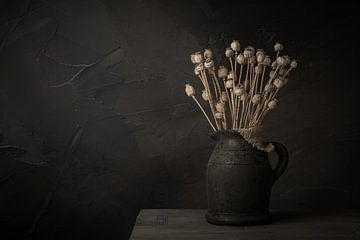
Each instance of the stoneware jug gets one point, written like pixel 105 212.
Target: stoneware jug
pixel 239 180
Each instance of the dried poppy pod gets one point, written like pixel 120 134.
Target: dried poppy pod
pixel 229 53
pixel 278 83
pixel 248 52
pixel 244 96
pixel 222 72
pixel 230 76
pixel 224 97
pixel 272 74
pixel 218 115
pixel 229 83
pixel 282 71
pixel 198 58
pixel 272 104
pixel 252 60
pixel 239 90
pixel 205 95
pixel 189 90
pixel 260 55
pixel 287 60
pixel 256 99
pixel 258 69
pixel 280 61
pixel 208 54
pixel 240 59
pixel 269 87
pixel 235 45
pixel 198 68
pixel 278 47
pixel 274 64
pixel 267 61
pixel 219 106
pixel 209 63
pixel 294 64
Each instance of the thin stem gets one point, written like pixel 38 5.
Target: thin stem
pixel 207 88
pixel 262 79
pixel 202 109
pixel 228 96
pixel 240 75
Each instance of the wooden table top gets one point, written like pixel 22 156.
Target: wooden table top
pixel 175 224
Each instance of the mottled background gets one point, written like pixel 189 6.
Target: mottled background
pixel 93 91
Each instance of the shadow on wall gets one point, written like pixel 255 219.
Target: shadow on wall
pixel 93 91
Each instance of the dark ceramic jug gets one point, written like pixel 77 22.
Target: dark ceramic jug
pixel 239 180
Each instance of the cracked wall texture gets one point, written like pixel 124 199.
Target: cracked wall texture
pixel 93 91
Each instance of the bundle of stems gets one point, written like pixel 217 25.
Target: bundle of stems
pixel 240 96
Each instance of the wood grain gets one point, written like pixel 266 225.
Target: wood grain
pixel 179 224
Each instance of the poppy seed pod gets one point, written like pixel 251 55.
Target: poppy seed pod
pixel 244 96
pixel 260 55
pixel 230 76
pixel 272 74
pixel 199 68
pixel 267 61
pixel 282 71
pixel 196 71
pixel 269 87
pixel 219 106
pixel 248 52
pixel 229 53
pixel 251 48
pixel 280 61
pixel 240 59
pixel 294 64
pixel 278 47
pixel 218 115
pixel 209 63
pixel 229 83
pixel 278 83
pixel 222 72
pixel 205 95
pixel 208 54
pixel 287 60
pixel 256 99
pixel 252 60
pixel 258 69
pixel 235 45
pixel 274 64
pixel 238 90
pixel 189 90
pixel 224 97
pixel 272 104
pixel 198 58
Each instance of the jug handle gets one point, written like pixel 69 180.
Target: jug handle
pixel 282 152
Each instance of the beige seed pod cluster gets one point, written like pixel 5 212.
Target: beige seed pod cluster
pixel 190 90
pixel 205 95
pixel 222 72
pixel 208 54
pixel 229 52
pixel 235 45
pixel 240 96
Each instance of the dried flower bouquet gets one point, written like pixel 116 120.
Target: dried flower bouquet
pixel 241 97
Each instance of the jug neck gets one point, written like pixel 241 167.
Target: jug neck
pixel 231 139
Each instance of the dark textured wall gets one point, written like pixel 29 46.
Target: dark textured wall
pixel 93 91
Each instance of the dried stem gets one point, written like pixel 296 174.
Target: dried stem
pixel 202 109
